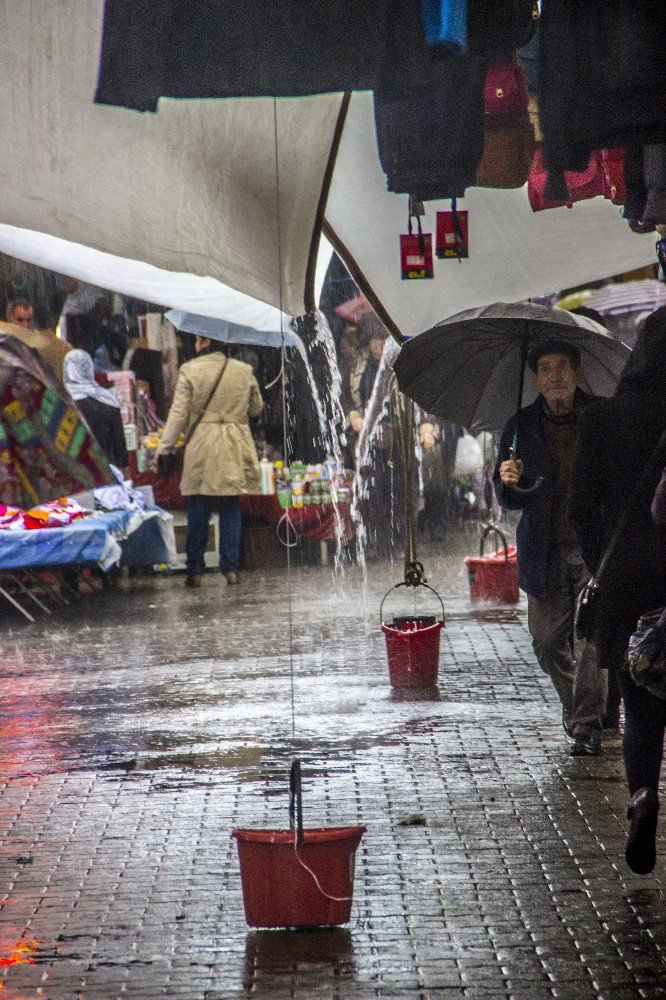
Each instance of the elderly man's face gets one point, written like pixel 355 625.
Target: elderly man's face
pixel 556 378
pixel 22 316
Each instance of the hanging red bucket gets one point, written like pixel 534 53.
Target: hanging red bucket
pixel 412 645
pixel 297 877
pixel 494 577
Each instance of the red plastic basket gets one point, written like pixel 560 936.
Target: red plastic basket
pixel 494 577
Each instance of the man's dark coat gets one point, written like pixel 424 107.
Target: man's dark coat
pixel 533 535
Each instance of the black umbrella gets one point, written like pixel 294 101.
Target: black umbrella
pixel 471 367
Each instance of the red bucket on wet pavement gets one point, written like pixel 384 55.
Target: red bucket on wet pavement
pixel 412 649
pixel 494 577
pixel 279 891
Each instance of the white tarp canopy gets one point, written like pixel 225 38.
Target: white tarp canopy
pixel 193 188
pixel 188 292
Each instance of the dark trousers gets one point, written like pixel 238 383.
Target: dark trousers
pixel 644 714
pixel 643 744
pixel 199 509
pixel 570 663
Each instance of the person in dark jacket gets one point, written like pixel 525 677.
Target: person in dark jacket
pixel 99 406
pixel 617 443
pixel 550 564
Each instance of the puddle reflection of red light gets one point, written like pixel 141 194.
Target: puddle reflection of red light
pixel 22 954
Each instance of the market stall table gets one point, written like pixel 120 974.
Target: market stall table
pixel 123 537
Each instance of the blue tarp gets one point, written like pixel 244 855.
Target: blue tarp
pixel 102 539
pixel 229 333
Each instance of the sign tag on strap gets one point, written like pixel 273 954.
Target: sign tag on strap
pixel 452 234
pixel 416 260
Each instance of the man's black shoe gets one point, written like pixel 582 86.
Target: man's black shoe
pixel 641 851
pixel 586 746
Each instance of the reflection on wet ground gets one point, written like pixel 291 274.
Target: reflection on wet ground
pixel 138 730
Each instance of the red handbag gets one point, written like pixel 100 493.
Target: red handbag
pixel 581 185
pixel 505 91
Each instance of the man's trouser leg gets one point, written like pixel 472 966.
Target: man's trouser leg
pixel 590 689
pixel 198 516
pixel 549 620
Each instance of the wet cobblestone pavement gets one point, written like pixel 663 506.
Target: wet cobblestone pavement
pixel 138 731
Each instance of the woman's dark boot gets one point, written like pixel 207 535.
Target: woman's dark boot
pixel 641 852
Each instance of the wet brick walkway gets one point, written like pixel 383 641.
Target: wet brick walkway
pixel 140 730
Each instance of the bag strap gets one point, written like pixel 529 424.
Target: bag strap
pixel 624 520
pixel 212 392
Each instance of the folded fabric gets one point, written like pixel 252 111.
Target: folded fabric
pixel 123 496
pixel 57 514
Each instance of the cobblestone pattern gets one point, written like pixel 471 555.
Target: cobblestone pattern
pixel 138 733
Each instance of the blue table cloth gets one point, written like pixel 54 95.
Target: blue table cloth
pixel 131 538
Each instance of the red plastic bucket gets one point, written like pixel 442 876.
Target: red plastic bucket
pixel 412 649
pixel 278 891
pixel 494 577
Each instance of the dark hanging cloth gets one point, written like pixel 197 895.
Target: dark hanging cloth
pixel 147 366
pixel 430 130
pixel 238 48
pixel 601 77
pixel 106 424
pixel 496 28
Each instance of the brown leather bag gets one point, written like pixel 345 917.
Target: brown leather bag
pixel 508 150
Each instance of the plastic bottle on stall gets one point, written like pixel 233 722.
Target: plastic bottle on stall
pixel 297 490
pixel 264 466
pixel 283 485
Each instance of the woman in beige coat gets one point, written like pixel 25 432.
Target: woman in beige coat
pixel 220 459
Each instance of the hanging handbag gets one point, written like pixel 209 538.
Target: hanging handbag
pixel 580 184
pixel 508 144
pixel 646 656
pixel 587 606
pixel 171 462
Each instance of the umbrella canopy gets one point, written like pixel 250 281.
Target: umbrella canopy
pixel 46 450
pixel 628 296
pixel 469 368
pixel 233 333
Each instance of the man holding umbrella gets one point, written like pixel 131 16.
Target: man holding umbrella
pixel 550 564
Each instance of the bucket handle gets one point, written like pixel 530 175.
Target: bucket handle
pixel 492 528
pixel 405 584
pixel 296 801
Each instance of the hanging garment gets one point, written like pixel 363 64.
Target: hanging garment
pixel 445 23
pixel 430 130
pixel 496 28
pixel 244 48
pixel 601 79
pixel 645 181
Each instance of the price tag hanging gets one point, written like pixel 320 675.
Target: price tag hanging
pixel 452 234
pixel 415 250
